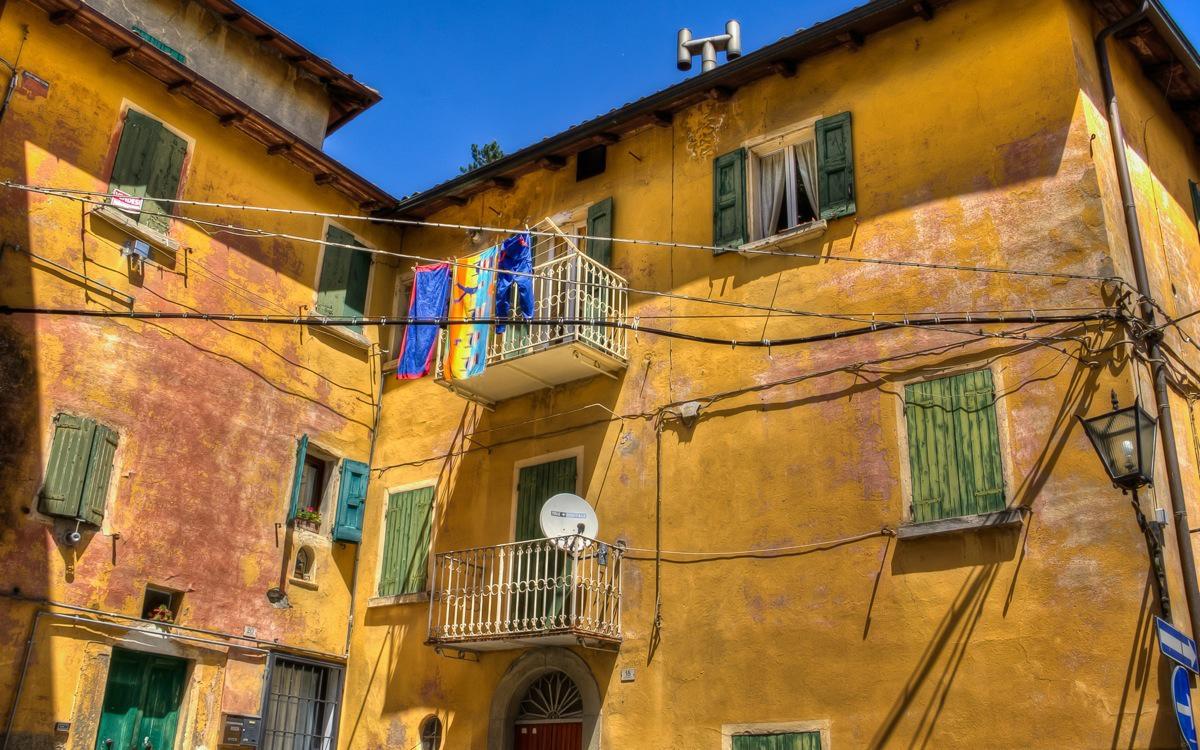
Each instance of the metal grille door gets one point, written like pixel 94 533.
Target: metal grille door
pixel 302 705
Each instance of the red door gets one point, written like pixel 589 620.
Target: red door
pixel 550 736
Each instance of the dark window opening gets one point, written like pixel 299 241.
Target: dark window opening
pixel 590 162
pixel 301 705
pixel 431 733
pixel 304 561
pixel 312 484
pixel 161 605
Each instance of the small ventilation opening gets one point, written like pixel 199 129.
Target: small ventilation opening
pixel 590 162
pixel 161 605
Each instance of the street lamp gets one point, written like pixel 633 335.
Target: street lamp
pixel 1124 438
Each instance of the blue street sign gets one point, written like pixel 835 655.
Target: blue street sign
pixel 1177 646
pixel 1183 707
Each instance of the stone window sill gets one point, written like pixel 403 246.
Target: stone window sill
pixel 119 219
pixel 387 601
pixel 339 332
pixel 788 239
pixel 1001 519
pixel 303 583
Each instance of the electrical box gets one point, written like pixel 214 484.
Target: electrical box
pixel 240 731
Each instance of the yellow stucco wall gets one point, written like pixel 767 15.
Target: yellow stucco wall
pixel 208 413
pixel 977 142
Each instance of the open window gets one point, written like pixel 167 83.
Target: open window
pixel 161 604
pixel 783 184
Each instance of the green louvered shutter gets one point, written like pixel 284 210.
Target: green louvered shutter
pixel 342 288
pixel 781 741
pixel 99 475
pixel 1195 203
pixel 407 527
pixel 835 166
pixel 954 447
pixel 535 485
pixel 149 162
pixel 352 500
pixel 729 199
pixel 298 476
pixel 67 468
pixel 600 224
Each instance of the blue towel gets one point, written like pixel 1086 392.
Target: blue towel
pixel 430 298
pixel 516 254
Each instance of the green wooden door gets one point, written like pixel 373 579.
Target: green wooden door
pixel 536 485
pixel 781 741
pixel 141 701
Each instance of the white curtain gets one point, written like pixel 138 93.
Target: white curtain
pixel 806 165
pixel 771 169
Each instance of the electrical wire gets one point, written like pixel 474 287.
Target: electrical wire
pixel 73 194
pixel 885 531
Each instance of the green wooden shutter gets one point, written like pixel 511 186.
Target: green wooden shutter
pixel 406 542
pixel 1195 203
pixel 729 199
pixel 782 741
pixel 342 288
pixel 298 477
pixel 166 169
pixel 149 162
pixel 352 499
pixel 67 468
pixel 600 224
pixel 954 447
pixel 835 166
pixel 99 475
pixel 535 485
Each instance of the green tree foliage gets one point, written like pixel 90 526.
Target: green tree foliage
pixel 480 155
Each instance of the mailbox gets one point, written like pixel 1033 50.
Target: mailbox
pixel 240 731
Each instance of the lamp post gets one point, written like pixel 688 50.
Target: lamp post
pixel 1125 440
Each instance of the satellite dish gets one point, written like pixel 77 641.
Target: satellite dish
pixel 565 515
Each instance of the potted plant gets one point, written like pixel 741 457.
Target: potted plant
pixel 308 519
pixel 162 613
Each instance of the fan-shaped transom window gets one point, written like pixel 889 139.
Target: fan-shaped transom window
pixel 553 696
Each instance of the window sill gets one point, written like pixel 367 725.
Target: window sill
pixel 303 583
pixel 387 601
pixel 117 218
pixel 785 240
pixel 339 332
pixel 1001 519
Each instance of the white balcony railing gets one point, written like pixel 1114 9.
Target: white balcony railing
pixel 546 591
pixel 531 356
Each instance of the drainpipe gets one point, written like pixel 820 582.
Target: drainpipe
pixel 1187 561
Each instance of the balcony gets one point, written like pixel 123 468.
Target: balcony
pixel 542 592
pixel 528 358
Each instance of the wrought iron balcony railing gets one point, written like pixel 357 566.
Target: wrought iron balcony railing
pixel 526 358
pixel 545 591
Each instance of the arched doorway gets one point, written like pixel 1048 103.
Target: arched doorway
pixel 550 716
pixel 544 683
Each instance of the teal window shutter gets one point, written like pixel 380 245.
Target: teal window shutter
pixel 342 286
pixel 535 485
pixel 835 166
pixel 149 162
pixel 954 447
pixel 407 526
pixel 600 224
pixel 80 469
pixel 1195 203
pixel 729 199
pixel 298 476
pixel 352 500
pixel 778 741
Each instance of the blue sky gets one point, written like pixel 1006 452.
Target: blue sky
pixel 457 73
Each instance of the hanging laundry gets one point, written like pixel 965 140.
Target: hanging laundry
pixel 516 254
pixel 430 298
pixel 471 294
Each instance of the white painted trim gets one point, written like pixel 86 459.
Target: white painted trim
pixel 545 458
pixel 381 537
pixel 728 731
pixel 765 144
pixel 1002 428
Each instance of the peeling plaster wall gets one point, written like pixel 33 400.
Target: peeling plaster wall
pixel 232 60
pixel 976 143
pixel 208 413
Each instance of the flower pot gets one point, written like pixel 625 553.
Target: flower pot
pixel 312 526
